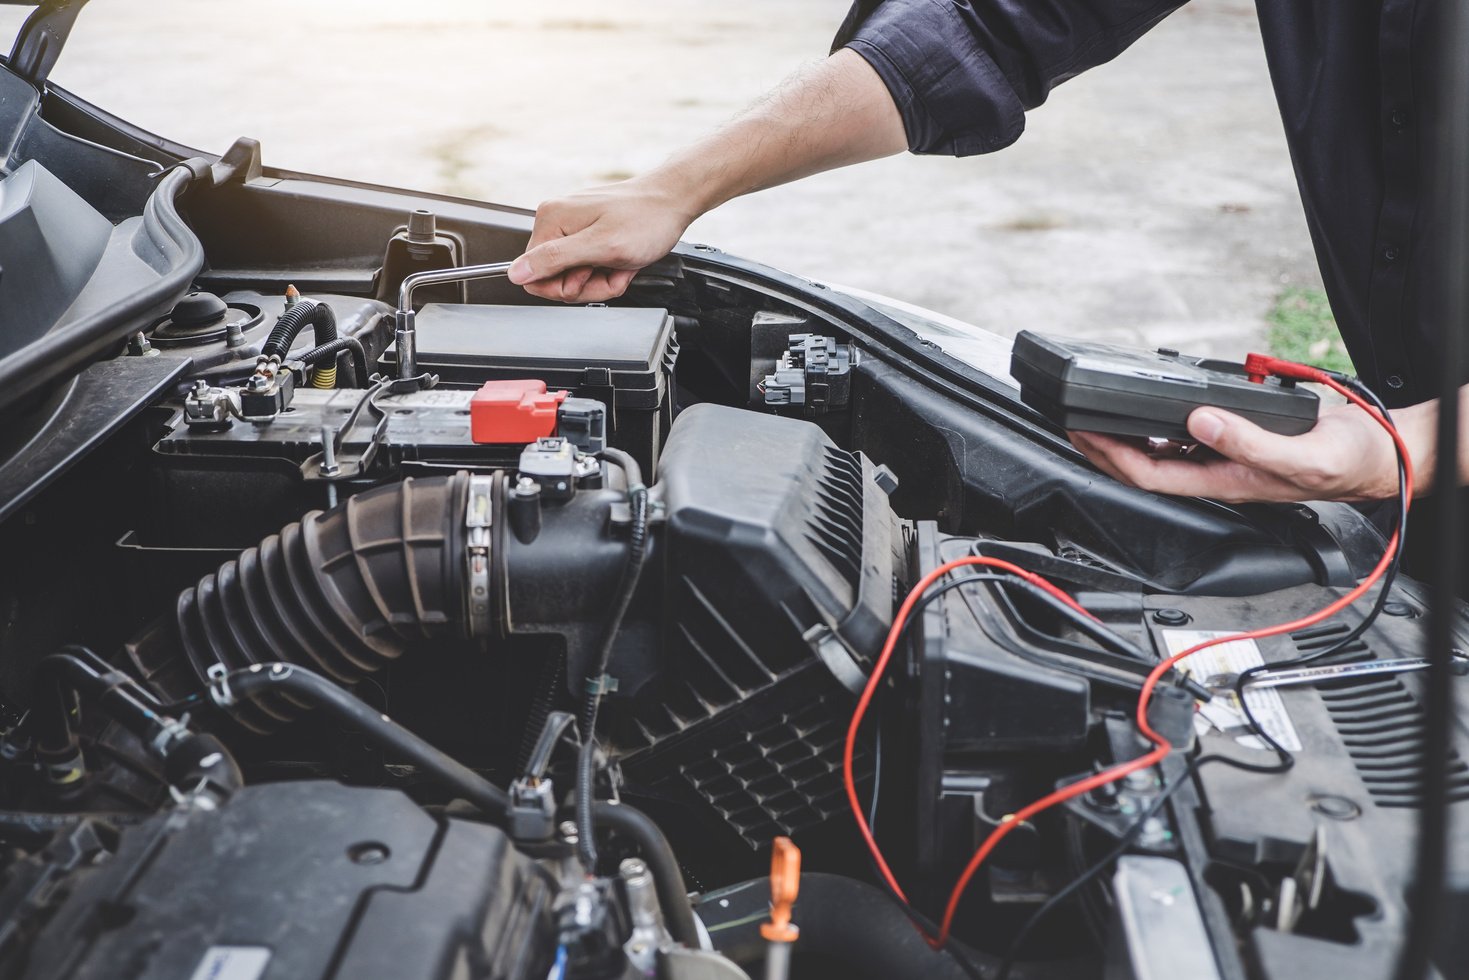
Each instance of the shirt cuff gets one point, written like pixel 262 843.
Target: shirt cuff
pixel 953 98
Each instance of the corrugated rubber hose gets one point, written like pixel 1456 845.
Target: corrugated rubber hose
pixel 290 323
pixel 344 592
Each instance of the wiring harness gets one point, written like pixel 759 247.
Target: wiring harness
pixel 1257 366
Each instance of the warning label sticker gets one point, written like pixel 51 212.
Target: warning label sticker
pixel 1217 668
pixel 232 963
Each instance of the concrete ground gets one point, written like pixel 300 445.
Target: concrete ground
pixel 1150 201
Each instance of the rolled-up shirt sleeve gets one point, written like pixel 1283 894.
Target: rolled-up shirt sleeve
pixel 964 72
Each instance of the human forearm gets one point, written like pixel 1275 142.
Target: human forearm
pixel 830 115
pixel 587 247
pixel 1418 425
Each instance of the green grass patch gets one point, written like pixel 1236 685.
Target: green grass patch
pixel 1303 329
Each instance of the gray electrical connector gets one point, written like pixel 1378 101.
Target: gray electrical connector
pixel 814 374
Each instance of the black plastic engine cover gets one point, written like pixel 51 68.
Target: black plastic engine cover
pixel 303 880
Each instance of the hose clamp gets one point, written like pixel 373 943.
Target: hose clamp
pixel 172 730
pixel 478 518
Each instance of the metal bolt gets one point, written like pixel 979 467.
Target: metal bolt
pixel 1139 781
pixel 1154 833
pixel 1170 617
pixel 234 334
pixel 1336 807
pixel 568 830
pixel 329 465
pixel 368 852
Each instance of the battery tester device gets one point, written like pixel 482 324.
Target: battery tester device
pixel 1096 387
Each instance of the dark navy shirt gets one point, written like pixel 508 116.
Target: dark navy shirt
pixel 1355 89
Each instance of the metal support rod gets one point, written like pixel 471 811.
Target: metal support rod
pixel 406 337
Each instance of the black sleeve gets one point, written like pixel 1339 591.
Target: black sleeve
pixel 963 72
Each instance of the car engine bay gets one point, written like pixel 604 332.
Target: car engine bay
pixel 364 617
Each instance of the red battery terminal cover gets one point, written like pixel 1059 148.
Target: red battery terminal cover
pixel 518 411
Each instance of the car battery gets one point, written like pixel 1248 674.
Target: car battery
pixel 621 356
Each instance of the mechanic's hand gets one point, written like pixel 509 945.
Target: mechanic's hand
pixel 587 247
pixel 1347 456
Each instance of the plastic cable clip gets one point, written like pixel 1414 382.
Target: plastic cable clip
pixel 219 685
pixel 603 684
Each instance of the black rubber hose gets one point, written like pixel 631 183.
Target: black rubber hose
pixel 79 669
pixel 290 323
pixel 189 759
pixel 856 924
pixel 658 855
pixel 332 349
pixel 266 680
pixel 344 592
pixel 631 471
pixel 202 758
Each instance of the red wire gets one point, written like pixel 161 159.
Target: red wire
pixel 1161 746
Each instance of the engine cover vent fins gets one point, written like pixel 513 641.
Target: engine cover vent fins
pixel 836 524
pixel 1380 724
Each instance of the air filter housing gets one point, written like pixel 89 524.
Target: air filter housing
pixel 778 563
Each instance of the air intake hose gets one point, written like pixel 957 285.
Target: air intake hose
pixel 290 323
pixel 344 591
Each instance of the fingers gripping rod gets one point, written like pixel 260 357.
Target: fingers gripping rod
pixel 406 337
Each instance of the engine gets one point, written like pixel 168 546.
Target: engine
pixel 528 632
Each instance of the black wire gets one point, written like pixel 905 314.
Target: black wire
pixel 637 553
pixel 332 351
pixel 925 924
pixel 1126 841
pixel 1246 677
pixel 352 416
pixel 1083 668
pixel 1286 759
